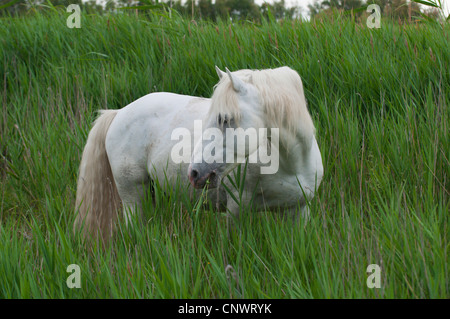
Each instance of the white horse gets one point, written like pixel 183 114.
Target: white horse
pixel 129 148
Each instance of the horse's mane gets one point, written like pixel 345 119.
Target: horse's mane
pixel 282 97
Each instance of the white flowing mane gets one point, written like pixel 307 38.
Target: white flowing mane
pixel 282 97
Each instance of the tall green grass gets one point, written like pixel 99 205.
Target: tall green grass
pixel 379 99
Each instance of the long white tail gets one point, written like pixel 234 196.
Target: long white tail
pixel 97 200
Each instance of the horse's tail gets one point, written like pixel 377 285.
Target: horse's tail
pixel 97 200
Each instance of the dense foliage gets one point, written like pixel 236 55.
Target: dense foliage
pixel 379 99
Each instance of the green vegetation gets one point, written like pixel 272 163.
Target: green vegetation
pixel 379 99
pixel 397 10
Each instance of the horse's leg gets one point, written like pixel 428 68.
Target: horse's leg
pixel 295 214
pixel 132 182
pixel 233 208
pixel 233 211
pixel 304 213
pixel 132 201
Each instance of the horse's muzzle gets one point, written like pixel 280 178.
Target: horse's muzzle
pixel 201 179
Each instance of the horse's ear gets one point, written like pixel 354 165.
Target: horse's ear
pixel 238 84
pixel 220 73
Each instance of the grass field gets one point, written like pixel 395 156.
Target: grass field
pixel 379 99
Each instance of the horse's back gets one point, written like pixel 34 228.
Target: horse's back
pixel 139 138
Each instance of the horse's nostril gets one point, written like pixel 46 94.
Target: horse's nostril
pixel 194 174
pixel 212 177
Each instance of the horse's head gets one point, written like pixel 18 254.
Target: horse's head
pixel 231 131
